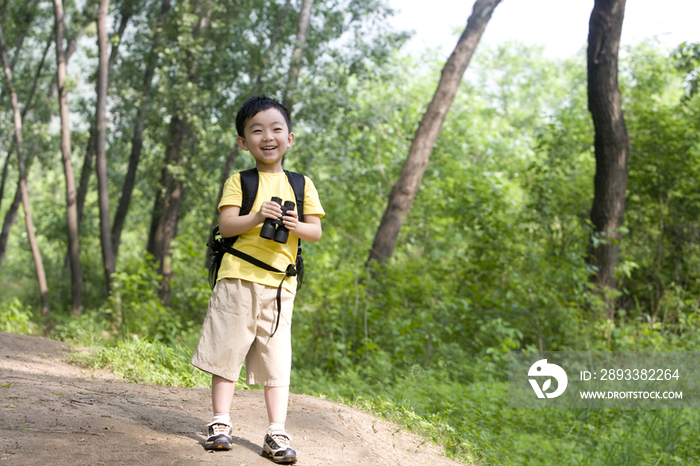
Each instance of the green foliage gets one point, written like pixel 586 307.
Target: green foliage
pixel 135 307
pixel 140 361
pixel 16 318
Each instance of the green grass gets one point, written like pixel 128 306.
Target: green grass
pixel 475 424
pixel 144 362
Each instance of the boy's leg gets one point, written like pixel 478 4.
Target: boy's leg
pixel 273 371
pixel 277 440
pixel 219 430
pixel 225 341
pixel 221 394
pixel 276 401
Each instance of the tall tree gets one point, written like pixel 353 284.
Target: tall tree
pixel 100 128
pixel 31 13
pixel 137 138
pixel 11 214
pixel 404 191
pixel 297 55
pixel 27 106
pixel 127 11
pixel 84 20
pixel 611 141
pixel 36 254
pixel 71 207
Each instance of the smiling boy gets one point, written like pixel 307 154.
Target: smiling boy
pixel 250 311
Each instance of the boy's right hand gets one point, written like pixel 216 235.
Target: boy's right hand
pixel 270 209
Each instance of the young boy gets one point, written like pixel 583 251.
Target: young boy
pixel 243 322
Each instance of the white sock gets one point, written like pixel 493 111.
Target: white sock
pixel 276 428
pixel 223 418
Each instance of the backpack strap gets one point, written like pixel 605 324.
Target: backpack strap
pixel 249 188
pixel 298 184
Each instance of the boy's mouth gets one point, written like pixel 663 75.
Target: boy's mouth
pixel 269 148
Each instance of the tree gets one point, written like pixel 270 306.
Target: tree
pixel 71 207
pixel 101 164
pixel 404 191
pixel 137 138
pixel 611 141
pixel 11 214
pixel 296 62
pixel 36 254
pixel 86 20
pixel 126 12
pixel 13 209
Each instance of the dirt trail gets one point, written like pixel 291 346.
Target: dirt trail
pixel 54 413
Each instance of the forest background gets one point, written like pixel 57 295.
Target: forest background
pixel 492 257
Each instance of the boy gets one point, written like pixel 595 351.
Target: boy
pixel 243 321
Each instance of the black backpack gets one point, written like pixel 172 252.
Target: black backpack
pixel 220 245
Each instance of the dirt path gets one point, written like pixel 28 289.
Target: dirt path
pixel 54 413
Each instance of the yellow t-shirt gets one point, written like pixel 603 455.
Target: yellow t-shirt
pixel 268 251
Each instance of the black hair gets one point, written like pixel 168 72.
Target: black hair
pixel 255 105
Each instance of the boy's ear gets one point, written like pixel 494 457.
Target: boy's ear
pixel 241 143
pixel 290 140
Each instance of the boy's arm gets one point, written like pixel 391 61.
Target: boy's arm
pixel 231 224
pixel 309 230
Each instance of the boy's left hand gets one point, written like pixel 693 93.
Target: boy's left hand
pixel 291 220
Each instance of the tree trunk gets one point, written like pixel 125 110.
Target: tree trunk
pixel 36 255
pixel 295 65
pixel 167 206
pixel 611 140
pixel 404 191
pixel 27 106
pixel 86 171
pixel 91 150
pixel 10 218
pixel 11 213
pixel 101 163
pixel 71 207
pixel 71 47
pixel 137 139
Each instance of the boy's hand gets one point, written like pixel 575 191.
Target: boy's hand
pixel 270 209
pixel 291 220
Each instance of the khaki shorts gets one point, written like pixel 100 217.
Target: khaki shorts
pixel 237 328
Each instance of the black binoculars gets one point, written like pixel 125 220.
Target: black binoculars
pixel 274 228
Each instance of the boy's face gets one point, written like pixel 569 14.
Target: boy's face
pixel 267 137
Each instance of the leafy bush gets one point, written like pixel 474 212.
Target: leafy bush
pixel 16 318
